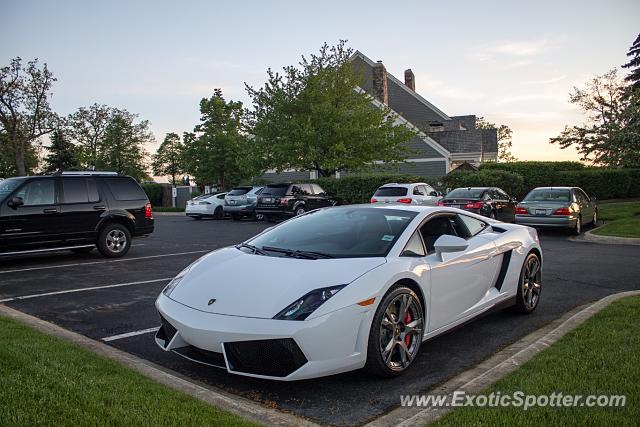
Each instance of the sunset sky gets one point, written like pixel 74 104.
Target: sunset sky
pixel 512 62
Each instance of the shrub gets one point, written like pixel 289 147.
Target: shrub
pixel 154 193
pixel 360 188
pixel 604 183
pixel 535 174
pixel 510 182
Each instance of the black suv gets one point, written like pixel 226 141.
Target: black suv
pixel 491 202
pixel 287 199
pixel 72 210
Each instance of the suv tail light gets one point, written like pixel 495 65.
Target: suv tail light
pixel 474 205
pixel 521 210
pixel 562 212
pixel 405 200
pixel 440 203
pixel 284 201
pixel 373 200
pixel 147 211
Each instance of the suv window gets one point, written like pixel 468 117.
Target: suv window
pixel 74 190
pixel 317 189
pixel 125 189
pixel 306 189
pixel 275 190
pixel 391 192
pixel 299 190
pixel 38 192
pixel 474 226
pixel 418 190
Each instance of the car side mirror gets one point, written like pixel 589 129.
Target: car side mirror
pixel 434 194
pixel 15 202
pixel 449 244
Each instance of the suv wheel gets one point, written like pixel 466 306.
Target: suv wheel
pixel 300 210
pixel 114 240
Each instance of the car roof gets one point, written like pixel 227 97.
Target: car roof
pixel 554 188
pixel 402 184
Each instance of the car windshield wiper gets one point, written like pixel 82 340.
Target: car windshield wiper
pixel 298 253
pixel 255 249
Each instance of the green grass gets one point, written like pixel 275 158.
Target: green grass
pixel 599 357
pixel 622 219
pixel 48 381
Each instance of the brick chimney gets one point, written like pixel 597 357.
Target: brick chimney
pixel 410 79
pixel 380 83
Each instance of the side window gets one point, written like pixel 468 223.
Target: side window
pixel 74 190
pixel 414 246
pixel 38 192
pixel 221 196
pixel 306 189
pixel 418 191
pixel 436 227
pixel 502 194
pixel 474 226
pixel 94 195
pixel 487 195
pixel 295 190
pixel 428 190
pixel 317 189
pixel 125 189
pixel 583 195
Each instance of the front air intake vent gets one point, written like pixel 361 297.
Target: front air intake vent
pixel 274 358
pixel 166 332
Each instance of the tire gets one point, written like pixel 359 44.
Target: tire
pixel 300 210
pixel 114 240
pixel 82 250
pixel 236 217
pixel 577 229
pixel 391 350
pixel 529 285
pixel 218 213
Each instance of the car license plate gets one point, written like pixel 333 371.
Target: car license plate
pixel 232 202
pixel 267 200
pixel 541 211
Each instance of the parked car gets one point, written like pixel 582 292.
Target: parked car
pixel 346 287
pixel 563 207
pixel 417 193
pixel 206 206
pixel 72 210
pixel 241 202
pixel 491 202
pixel 291 199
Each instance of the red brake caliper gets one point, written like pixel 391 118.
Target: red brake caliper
pixel 407 320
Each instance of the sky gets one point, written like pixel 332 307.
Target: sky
pixel 513 62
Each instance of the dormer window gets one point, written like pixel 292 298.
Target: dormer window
pixel 436 127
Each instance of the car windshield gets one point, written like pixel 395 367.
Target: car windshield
pixel 338 232
pixel 274 190
pixel 466 193
pixel 548 195
pixel 391 192
pixel 239 191
pixel 8 185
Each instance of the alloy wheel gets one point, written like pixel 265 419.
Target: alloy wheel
pixel 531 285
pixel 401 332
pixel 116 240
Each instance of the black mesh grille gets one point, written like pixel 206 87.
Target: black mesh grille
pixel 203 356
pixel 276 358
pixel 166 331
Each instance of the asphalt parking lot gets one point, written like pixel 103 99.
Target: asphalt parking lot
pixel 113 300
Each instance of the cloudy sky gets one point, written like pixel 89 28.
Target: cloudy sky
pixel 512 62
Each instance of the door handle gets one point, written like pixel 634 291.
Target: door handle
pixel 99 208
pixel 50 210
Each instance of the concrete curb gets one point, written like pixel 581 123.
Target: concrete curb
pixel 589 236
pixel 226 401
pixel 497 366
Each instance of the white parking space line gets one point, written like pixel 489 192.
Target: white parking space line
pixel 130 334
pixel 103 262
pixel 93 288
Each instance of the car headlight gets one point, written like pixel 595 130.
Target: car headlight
pixel 176 280
pixel 303 307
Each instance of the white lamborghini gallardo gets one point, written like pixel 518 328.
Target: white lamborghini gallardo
pixel 346 287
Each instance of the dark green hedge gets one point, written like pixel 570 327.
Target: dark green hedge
pixel 154 193
pixel 604 183
pixel 360 188
pixel 511 182
pixel 535 174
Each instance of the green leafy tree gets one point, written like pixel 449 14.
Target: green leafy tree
pixel 504 136
pixel 311 117
pixel 25 113
pixel 121 149
pixel 87 126
pixel 214 152
pixel 610 136
pixel 634 65
pixel 168 160
pixel 62 153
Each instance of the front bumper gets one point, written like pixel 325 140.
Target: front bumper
pixel 326 345
pixel 546 222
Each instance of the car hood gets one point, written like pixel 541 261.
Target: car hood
pixel 248 285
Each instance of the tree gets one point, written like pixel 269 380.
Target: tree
pixel 168 159
pixel 311 117
pixel 62 153
pixel 122 147
pixel 634 65
pixel 25 113
pixel 607 137
pixel 213 153
pixel 8 157
pixel 504 137
pixel 88 126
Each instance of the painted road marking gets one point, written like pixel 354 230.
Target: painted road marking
pixel 103 262
pixel 130 334
pixel 93 288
